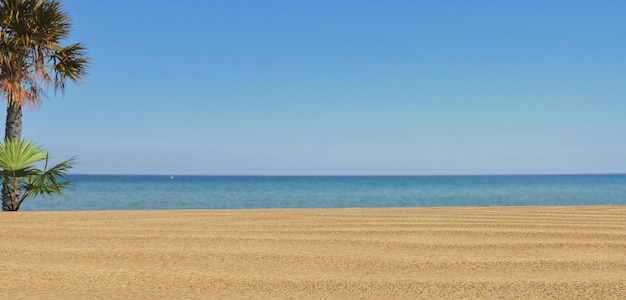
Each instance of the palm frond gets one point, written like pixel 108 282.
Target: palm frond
pixel 22 179
pixel 69 63
pixel 18 154
pixel 45 182
pixel 31 54
pixel 19 173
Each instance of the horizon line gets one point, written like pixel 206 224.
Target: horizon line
pixel 348 175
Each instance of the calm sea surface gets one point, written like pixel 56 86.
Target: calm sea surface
pixel 105 192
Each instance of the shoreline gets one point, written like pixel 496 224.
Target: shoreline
pixel 320 208
pixel 513 252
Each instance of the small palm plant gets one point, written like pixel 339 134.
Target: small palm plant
pixel 22 178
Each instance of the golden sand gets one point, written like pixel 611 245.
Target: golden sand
pixel 396 253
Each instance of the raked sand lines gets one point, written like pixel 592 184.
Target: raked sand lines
pixel 502 252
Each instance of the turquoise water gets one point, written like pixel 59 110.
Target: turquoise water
pixel 103 192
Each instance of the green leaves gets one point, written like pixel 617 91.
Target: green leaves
pixel 45 182
pixel 19 154
pixel 20 175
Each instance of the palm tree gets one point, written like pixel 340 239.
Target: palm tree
pixel 17 161
pixel 32 58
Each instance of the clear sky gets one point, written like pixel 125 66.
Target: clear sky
pixel 343 88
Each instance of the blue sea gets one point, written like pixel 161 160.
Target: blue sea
pixel 108 192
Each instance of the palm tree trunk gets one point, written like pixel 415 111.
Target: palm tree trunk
pixel 14 122
pixel 13 130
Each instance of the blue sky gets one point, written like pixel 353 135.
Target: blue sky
pixel 343 88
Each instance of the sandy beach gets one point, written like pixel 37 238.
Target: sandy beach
pixel 395 253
